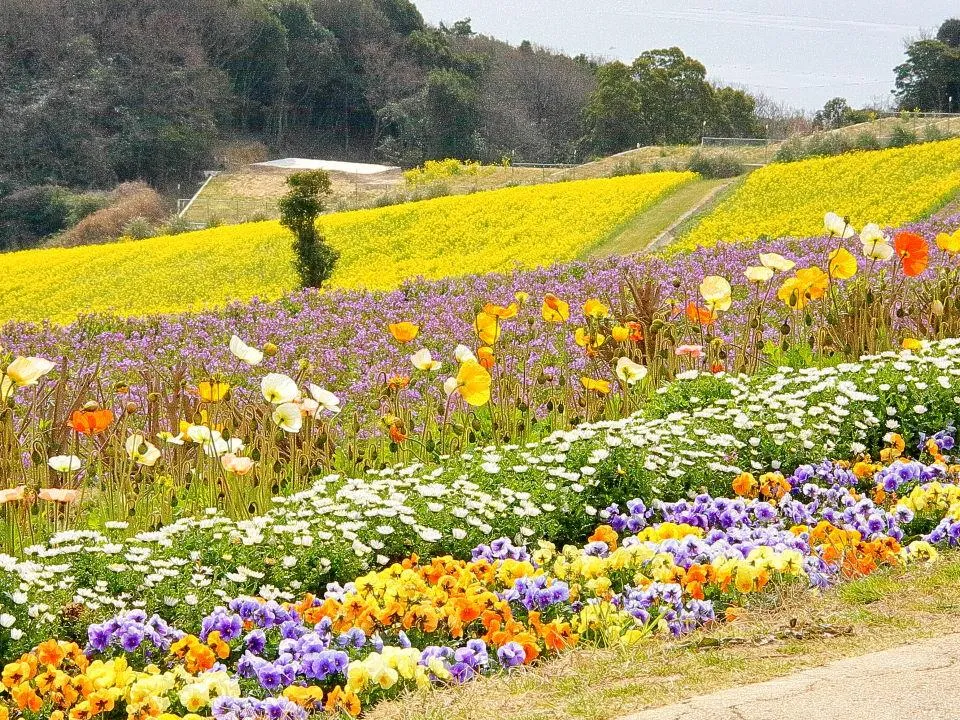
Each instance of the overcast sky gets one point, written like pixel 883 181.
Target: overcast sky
pixel 801 52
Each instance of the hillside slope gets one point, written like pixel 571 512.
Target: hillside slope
pixel 490 231
pixel 888 187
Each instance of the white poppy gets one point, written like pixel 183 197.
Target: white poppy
pixel 326 399
pixel 65 463
pixel 250 355
pixel 758 274
pixel 629 371
pixel 279 389
pixel 288 417
pixel 872 233
pixel 837 226
pixel 141 451
pixel 25 371
pixel 877 249
pixel 464 354
pixel 450 386
pixel 423 360
pixel 776 262
pixel 236 464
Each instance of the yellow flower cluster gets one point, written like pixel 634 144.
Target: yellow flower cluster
pixel 889 187
pixel 59 679
pixel 433 170
pixel 489 231
pixel 937 498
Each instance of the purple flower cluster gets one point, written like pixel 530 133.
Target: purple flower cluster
pixel 664 602
pixel 464 663
pixel 342 335
pixel 537 592
pixel 132 631
pixel 500 549
pixel 249 708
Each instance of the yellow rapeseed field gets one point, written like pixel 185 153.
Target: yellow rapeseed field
pixel 496 230
pixel 888 187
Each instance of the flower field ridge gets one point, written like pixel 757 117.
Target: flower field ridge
pixel 889 187
pixel 491 231
pixel 710 430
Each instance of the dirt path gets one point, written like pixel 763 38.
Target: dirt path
pixel 916 681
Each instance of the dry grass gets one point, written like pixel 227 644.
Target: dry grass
pixel 800 630
pixel 128 201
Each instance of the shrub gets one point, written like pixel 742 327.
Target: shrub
pixel 867 141
pixel 139 228
pixel 715 165
pixel 901 136
pixel 30 214
pixel 126 202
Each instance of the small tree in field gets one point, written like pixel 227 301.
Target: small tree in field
pixel 299 210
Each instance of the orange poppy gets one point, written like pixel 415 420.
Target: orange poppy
pixel 485 357
pixel 913 252
pixel 91 422
pixel 699 315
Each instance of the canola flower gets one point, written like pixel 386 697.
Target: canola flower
pixel 380 248
pixel 889 187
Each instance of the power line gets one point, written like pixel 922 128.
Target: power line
pixel 765 20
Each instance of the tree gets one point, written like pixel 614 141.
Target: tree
pixel 452 115
pixel 949 33
pixel 614 114
pixel 674 94
pixel 930 78
pixel 314 259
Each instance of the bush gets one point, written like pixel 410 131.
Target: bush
pixel 901 137
pixel 31 214
pixel 127 202
pixel 139 228
pixel 716 165
pixel 867 141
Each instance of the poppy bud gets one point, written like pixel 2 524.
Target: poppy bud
pixel 936 307
pixel 807 319
pixel 754 324
pixel 785 328
pixel 91 406
pixel 131 407
pixel 270 350
pixel 656 325
pixel 869 297
pixel 676 282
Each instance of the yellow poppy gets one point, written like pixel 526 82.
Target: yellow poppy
pixel 522 297
pixel 487 328
pixel 843 264
pixel 595 309
pixel 502 312
pixel 911 344
pixel 620 333
pixel 584 338
pixel 404 332
pixel 949 243
pixel 600 386
pixel 473 382
pixel 554 309
pixel 211 391
pixel 808 284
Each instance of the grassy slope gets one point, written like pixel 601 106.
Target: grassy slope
pixel 804 629
pixel 524 226
pixel 641 231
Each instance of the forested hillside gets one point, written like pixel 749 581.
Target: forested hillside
pixel 92 94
